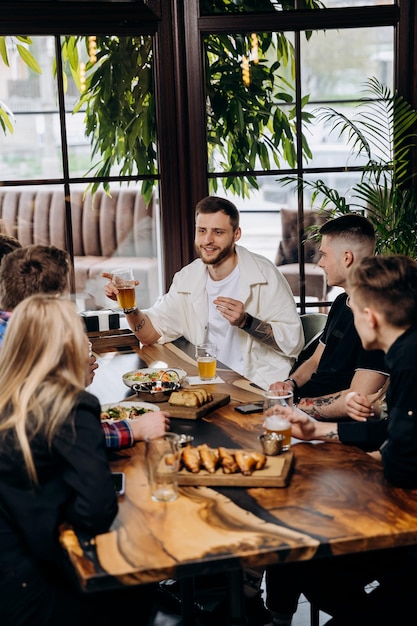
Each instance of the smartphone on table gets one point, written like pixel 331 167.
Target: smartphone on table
pixel 246 409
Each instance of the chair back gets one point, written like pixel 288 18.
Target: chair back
pixel 313 325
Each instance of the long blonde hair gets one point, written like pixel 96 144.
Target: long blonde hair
pixel 43 365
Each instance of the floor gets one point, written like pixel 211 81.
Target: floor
pixel 165 617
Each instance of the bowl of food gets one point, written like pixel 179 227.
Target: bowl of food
pixel 155 384
pixel 125 410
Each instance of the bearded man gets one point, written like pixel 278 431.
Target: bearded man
pixel 229 296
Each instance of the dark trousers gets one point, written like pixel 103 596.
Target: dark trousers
pixel 337 586
pixel 33 596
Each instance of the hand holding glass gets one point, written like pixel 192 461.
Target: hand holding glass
pixel 206 356
pixel 162 460
pixel 125 282
pixel 273 422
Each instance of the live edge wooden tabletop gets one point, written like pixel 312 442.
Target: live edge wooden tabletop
pixel 337 502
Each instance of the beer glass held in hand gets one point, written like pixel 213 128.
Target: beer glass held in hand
pixel 274 422
pixel 124 280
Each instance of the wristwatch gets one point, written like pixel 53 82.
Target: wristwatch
pixel 294 384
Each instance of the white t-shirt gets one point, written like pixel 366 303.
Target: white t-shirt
pixel 220 331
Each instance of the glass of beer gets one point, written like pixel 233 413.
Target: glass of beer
pixel 206 356
pixel 124 280
pixel 274 422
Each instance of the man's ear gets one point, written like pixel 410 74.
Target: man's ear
pixel 348 257
pixel 238 234
pixel 372 317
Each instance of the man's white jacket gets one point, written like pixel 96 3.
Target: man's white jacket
pixel 266 295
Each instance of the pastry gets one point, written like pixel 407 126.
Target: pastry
pixel 228 461
pixel 209 457
pixel 191 458
pixel 246 462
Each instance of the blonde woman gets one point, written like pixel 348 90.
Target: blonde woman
pixel 53 464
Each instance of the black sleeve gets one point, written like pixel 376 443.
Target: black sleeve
pixel 86 470
pixel 368 436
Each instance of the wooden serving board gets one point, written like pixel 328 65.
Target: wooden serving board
pixel 193 413
pixel 276 473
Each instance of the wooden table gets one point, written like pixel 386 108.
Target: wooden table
pixel 337 501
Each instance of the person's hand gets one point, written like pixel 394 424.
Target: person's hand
pixel 358 406
pixel 280 385
pixel 302 425
pixel 232 310
pixel 92 366
pixel 150 425
pixel 110 289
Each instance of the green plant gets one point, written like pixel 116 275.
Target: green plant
pixel 249 125
pixel 6 116
pixel 384 131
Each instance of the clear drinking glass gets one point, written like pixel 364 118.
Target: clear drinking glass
pixel 124 280
pixel 275 423
pixel 206 356
pixel 162 460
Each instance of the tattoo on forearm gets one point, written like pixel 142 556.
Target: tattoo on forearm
pixel 332 435
pixel 312 406
pixel 138 323
pixel 263 332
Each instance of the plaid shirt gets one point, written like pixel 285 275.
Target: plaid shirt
pixel 4 318
pixel 118 434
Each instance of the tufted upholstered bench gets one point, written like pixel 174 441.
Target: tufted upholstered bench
pixel 116 231
pixel 287 255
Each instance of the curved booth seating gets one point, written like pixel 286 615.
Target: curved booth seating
pixel 287 255
pixel 108 232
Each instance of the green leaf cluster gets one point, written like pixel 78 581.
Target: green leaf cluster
pixel 21 44
pixel 119 104
pixel 384 130
pixel 250 127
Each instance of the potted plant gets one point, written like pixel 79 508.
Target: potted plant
pixel 384 131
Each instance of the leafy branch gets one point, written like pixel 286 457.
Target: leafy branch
pixel 6 116
pixel 384 131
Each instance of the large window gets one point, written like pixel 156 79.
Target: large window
pixel 322 56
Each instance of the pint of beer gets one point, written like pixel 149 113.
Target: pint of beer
pixel 273 422
pixel 124 280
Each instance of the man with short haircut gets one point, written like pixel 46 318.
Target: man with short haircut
pixel 383 298
pixel 229 296
pixel 339 363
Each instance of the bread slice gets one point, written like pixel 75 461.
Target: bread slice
pixel 206 394
pixel 184 398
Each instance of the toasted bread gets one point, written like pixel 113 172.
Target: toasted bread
pixel 184 398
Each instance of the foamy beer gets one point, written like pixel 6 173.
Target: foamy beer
pixel 273 422
pixel 125 282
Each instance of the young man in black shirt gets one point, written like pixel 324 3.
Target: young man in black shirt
pixel 339 363
pixel 383 298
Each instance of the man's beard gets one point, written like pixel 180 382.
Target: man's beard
pixel 223 254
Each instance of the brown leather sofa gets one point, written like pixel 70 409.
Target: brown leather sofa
pixel 109 232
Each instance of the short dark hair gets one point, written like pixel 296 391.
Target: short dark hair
pixel 31 270
pixel 8 244
pixel 350 226
pixel 390 283
pixel 214 204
